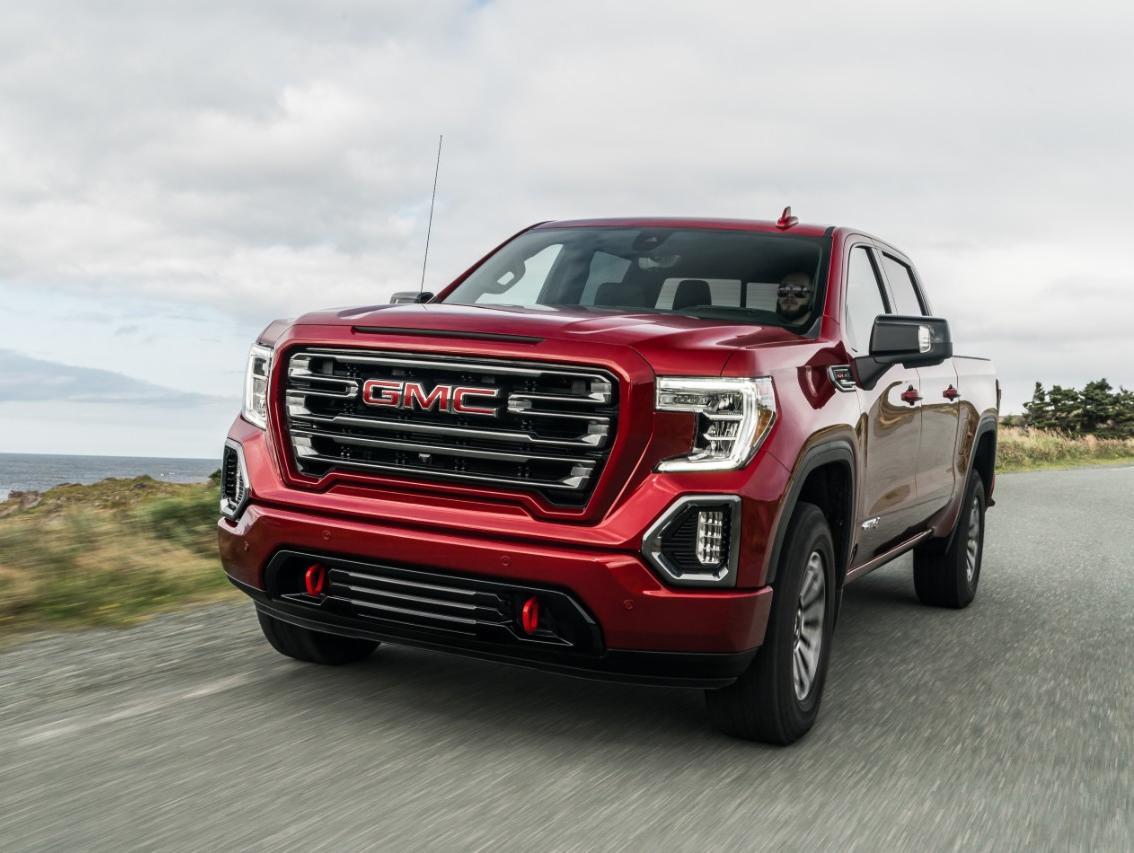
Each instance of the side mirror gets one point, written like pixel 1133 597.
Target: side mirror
pixel 908 341
pixel 403 297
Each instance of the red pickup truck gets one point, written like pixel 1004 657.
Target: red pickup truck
pixel 645 449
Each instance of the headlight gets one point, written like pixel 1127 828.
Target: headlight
pixel 255 409
pixel 734 416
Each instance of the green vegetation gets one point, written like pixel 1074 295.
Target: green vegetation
pixel 1019 449
pixel 1098 410
pixel 108 553
pixel 1068 426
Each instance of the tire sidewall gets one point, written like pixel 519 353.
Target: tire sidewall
pixel 810 533
pixel 975 491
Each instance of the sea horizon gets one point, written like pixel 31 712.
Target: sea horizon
pixel 41 471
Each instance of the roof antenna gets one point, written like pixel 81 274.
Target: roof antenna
pixel 786 220
pixel 429 230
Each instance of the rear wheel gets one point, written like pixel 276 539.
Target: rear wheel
pixel 776 700
pixel 946 574
pixel 313 646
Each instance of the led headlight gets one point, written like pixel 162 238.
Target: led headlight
pixel 734 416
pixel 255 409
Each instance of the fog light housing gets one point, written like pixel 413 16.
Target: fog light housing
pixel 235 488
pixel 696 541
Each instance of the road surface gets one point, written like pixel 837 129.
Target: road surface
pixel 1009 725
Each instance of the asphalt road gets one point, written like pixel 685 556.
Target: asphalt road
pixel 1006 726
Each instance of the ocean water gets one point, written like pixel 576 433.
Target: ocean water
pixel 37 471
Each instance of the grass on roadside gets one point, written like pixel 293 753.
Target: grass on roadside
pixel 108 554
pixel 1026 449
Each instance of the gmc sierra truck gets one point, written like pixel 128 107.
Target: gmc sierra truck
pixel 653 450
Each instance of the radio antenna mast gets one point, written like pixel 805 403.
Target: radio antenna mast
pixel 432 200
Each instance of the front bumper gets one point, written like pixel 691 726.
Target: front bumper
pixel 645 631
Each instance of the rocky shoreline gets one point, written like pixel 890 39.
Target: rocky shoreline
pixel 15 500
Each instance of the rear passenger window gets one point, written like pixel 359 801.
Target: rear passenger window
pixel 902 287
pixel 864 299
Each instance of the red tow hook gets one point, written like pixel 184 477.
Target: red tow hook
pixel 910 395
pixel 315 579
pixel 529 616
pixel 951 394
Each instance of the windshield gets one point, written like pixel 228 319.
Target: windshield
pixel 737 276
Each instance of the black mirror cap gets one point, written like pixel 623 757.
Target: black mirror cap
pixel 911 341
pixel 925 340
pixel 404 297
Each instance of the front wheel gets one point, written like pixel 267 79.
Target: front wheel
pixel 776 700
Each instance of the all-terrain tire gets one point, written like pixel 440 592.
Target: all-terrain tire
pixel 765 704
pixel 946 573
pixel 313 646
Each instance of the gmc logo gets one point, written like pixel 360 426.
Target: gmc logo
pixel 454 399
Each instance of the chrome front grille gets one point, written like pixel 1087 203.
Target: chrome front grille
pixel 526 425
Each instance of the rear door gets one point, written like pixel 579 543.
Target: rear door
pixel 890 427
pixel 936 468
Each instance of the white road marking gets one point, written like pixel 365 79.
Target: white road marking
pixel 63 728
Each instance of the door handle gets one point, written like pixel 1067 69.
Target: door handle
pixel 951 394
pixel 911 396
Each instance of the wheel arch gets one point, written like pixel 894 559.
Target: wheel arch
pixel 982 459
pixel 823 475
pixel 984 454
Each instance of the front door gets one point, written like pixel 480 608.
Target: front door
pixel 936 468
pixel 893 423
pixel 890 425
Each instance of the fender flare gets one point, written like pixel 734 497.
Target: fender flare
pixel 987 424
pixel 840 450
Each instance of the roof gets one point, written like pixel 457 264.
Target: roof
pixel 802 229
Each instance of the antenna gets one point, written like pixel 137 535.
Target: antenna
pixel 432 199
pixel 786 220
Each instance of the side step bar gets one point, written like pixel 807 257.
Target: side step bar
pixel 881 560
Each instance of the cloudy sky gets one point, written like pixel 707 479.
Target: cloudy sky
pixel 174 175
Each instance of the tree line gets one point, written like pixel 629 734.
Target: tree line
pixel 1097 409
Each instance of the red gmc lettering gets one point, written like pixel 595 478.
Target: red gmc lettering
pixel 460 407
pixel 415 393
pixel 382 392
pixel 457 400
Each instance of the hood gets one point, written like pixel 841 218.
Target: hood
pixel 671 343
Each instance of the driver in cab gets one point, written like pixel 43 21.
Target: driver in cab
pixel 793 298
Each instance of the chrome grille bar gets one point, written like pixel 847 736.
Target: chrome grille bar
pixel 593 438
pixel 418 447
pixel 552 434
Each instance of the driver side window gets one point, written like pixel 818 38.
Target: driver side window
pixel 865 299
